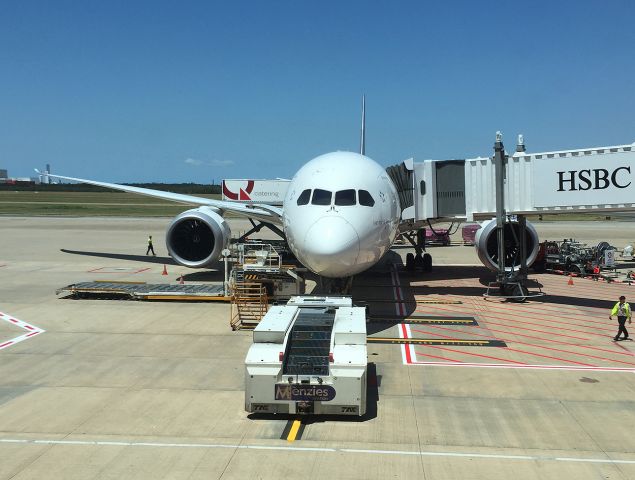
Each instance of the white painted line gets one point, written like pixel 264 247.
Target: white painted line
pixel 399 308
pixel 538 367
pixel 494 456
pixel 31 329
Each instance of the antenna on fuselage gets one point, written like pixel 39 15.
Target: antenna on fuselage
pixel 362 140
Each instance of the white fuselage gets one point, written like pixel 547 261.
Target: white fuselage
pixel 340 214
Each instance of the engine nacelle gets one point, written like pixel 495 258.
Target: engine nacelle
pixel 486 244
pixel 197 237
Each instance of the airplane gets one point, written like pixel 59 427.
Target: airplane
pixel 341 214
pixel 339 217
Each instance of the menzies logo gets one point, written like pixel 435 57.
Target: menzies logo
pixel 304 393
pixel 593 179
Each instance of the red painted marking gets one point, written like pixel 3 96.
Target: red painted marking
pixel 33 333
pixel 533 322
pixel 13 320
pixel 6 343
pixel 28 327
pixel 537 367
pixel 95 270
pixel 535 311
pixel 406 347
pixel 434 356
pixel 483 315
pixel 556 341
pixel 471 353
pixel 531 345
pixel 553 358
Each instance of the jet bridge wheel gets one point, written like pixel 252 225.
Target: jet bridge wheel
pixel 519 292
pixel 514 291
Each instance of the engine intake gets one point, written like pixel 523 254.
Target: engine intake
pixel 197 237
pixel 486 244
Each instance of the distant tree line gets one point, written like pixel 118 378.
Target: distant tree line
pixel 186 188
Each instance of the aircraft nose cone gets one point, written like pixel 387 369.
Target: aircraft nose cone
pixel 332 247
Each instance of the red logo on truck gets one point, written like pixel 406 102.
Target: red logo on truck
pixel 243 194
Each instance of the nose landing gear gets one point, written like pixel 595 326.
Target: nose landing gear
pixel 420 260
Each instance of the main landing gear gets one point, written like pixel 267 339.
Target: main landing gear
pixel 420 260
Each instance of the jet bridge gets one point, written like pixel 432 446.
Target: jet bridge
pixel 594 179
pixel 308 357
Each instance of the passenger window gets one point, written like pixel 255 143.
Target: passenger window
pixel 321 197
pixel 344 198
pixel 303 199
pixel 366 199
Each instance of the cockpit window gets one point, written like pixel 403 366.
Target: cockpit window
pixel 345 198
pixel 303 199
pixel 366 199
pixel 321 197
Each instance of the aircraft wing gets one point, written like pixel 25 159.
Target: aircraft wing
pixel 265 213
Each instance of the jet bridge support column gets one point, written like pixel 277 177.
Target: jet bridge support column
pixel 499 165
pixel 512 283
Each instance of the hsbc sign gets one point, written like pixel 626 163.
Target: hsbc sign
pixel 601 179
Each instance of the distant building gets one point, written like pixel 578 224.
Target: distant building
pixel 3 174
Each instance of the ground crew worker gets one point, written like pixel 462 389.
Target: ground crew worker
pixel 623 311
pixel 150 247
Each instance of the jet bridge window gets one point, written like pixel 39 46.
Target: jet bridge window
pixel 366 198
pixel 345 198
pixel 321 197
pixel 304 197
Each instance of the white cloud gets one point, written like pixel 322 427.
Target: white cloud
pixel 213 163
pixel 220 163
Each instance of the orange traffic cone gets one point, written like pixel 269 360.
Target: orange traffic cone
pixel 165 270
pixel 570 282
pixel 181 282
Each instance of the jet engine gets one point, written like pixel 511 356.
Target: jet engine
pixel 197 237
pixel 486 243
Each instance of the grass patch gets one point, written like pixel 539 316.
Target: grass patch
pixel 87 204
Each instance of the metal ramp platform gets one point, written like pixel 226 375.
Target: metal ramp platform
pixel 144 291
pixel 309 343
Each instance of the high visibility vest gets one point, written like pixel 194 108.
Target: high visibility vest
pixel 627 309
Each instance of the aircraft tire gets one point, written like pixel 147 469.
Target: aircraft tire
pixel 427 262
pixel 410 262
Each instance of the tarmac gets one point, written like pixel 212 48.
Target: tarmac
pixel 112 389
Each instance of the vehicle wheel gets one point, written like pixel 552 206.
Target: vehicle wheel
pixel 520 292
pixel 410 262
pixel 573 268
pixel 427 262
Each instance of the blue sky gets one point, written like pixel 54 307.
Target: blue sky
pixel 199 91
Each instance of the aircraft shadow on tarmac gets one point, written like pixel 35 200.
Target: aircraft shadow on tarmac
pixel 122 256
pixel 214 274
